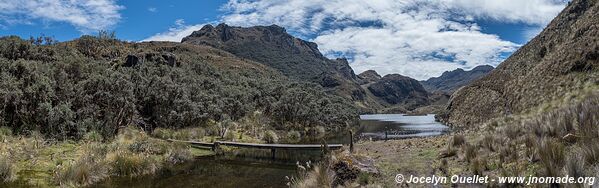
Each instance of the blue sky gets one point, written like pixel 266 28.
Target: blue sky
pixel 417 38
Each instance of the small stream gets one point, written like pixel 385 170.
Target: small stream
pixel 225 172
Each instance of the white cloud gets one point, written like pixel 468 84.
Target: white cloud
pixel 152 9
pixel 176 33
pixel 85 15
pixel 417 38
pixel 538 12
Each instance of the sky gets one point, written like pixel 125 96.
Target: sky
pixel 416 38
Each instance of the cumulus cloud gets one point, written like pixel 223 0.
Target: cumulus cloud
pixel 85 15
pixel 176 33
pixel 538 12
pixel 417 38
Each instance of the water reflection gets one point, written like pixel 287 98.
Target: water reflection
pixel 212 172
pixel 396 126
pixel 253 167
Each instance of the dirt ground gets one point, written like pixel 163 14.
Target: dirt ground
pixel 415 156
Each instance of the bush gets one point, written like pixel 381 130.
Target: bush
pixel 93 136
pixel 163 133
pixel 270 137
pixel 5 132
pixel 8 173
pixel 294 136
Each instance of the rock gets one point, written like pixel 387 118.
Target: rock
pixel 131 61
pixel 570 138
pixel 369 76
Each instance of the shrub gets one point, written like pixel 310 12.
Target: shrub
pixel 5 132
pixel 270 137
pixel 8 172
pixel 93 136
pixel 229 135
pixel 294 136
pixel 162 133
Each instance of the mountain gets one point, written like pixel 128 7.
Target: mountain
pixel 369 76
pixel 450 81
pixel 293 57
pixel 301 60
pixel 395 89
pixel 562 59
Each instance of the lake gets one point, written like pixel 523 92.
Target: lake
pixel 225 172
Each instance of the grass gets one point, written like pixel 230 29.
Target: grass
pixel 556 141
pixel 36 162
pixel 7 170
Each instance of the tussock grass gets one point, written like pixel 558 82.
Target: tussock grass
pixel 5 132
pixel 549 142
pixel 87 169
pixel 470 153
pixel 552 155
pixel 179 154
pixel 458 140
pixel 126 163
pixel 8 173
pixel 575 165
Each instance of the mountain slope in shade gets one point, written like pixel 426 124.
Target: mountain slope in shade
pixel 395 89
pixel 450 81
pixel 561 59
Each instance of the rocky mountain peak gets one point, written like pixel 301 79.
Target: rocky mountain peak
pixel 369 76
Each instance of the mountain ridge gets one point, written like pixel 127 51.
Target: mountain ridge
pixel 450 81
pixel 564 57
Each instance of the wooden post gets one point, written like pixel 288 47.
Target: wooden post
pixel 386 135
pixel 272 153
pixel 215 147
pixel 351 141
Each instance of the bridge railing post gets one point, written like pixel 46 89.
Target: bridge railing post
pixel 351 141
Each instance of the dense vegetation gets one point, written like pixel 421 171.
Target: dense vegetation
pixel 64 90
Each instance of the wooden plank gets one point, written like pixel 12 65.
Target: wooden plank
pixel 262 146
pixel 280 146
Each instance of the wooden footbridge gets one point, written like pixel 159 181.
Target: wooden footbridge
pixel 273 147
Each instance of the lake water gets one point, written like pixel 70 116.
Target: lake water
pixel 217 171
pixel 397 126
